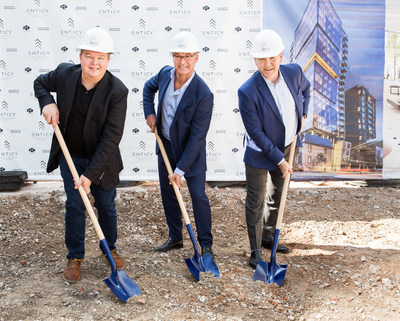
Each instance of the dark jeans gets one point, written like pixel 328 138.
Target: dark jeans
pixel 75 215
pixel 200 202
pixel 262 202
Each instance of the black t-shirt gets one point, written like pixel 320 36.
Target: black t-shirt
pixel 76 121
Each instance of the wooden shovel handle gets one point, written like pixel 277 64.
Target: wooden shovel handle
pixel 75 176
pixel 170 172
pixel 285 187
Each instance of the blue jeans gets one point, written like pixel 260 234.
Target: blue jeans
pixel 75 215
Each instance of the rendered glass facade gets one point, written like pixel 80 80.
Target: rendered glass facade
pixel 320 48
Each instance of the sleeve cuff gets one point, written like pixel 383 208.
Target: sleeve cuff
pixel 179 172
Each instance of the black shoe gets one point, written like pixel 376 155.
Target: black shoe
pixel 255 257
pixel 267 244
pixel 207 249
pixel 169 245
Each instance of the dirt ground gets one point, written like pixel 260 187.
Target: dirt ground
pixel 343 265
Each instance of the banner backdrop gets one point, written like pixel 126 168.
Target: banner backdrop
pixel 347 53
pixel 36 35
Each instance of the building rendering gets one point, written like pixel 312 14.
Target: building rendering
pixel 320 47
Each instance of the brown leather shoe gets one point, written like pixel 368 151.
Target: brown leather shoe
pixel 119 262
pixel 72 270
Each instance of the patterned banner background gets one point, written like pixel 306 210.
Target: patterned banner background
pixel 349 50
pixel 36 35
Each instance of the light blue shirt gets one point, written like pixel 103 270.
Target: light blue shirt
pixel 287 108
pixel 170 103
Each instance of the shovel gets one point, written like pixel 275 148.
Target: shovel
pixel 198 263
pixel 119 282
pixel 272 272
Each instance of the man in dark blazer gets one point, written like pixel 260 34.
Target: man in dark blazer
pixel 90 110
pixel 273 104
pixel 183 118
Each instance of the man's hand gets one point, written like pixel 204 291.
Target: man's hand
pixel 285 168
pixel 50 113
pixel 151 121
pixel 84 182
pixel 175 178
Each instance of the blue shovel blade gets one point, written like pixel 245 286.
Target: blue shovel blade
pixel 194 268
pixel 122 285
pixel 210 265
pixel 270 273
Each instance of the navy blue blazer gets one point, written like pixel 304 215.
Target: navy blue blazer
pixel 261 117
pixel 191 121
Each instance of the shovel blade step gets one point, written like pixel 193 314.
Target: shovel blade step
pixel 210 265
pixel 122 285
pixel 270 272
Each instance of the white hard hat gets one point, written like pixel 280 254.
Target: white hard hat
pixel 184 41
pixel 97 39
pixel 267 44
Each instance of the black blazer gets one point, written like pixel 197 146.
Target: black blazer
pixel 104 124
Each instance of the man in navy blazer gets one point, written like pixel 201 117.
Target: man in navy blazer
pixel 273 104
pixel 91 109
pixel 182 120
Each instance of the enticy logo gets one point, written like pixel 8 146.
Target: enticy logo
pixel 2 64
pixel 142 65
pixel 42 125
pixel 36 2
pixel 43 164
pixel 38 44
pixel 109 3
pixel 4 105
pixel 210 145
pixel 7 145
pixel 249 44
pixel 71 23
pixel 213 24
pixel 212 64
pixel 179 3
pixel 142 24
pixel 250 4
pixel 142 145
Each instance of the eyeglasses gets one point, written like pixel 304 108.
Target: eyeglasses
pixel 186 58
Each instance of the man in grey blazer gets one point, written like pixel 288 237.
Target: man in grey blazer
pixel 273 104
pixel 90 110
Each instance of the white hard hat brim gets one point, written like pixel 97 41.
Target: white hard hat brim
pixel 95 48
pixel 183 50
pixel 268 54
